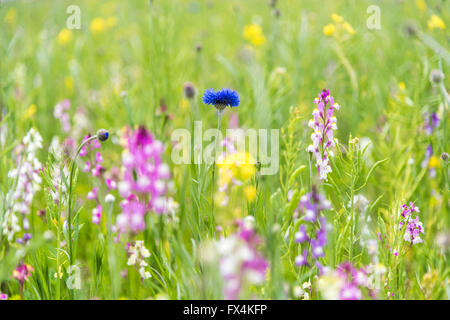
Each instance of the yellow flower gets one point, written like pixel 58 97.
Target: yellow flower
pixel 250 193
pixel 240 166
pixel 30 111
pixel 253 33
pixel 11 17
pixel 434 162
pixel 98 25
pixel 337 18
pixel 401 85
pixel 64 36
pixel 68 81
pixel 348 28
pixel 184 104
pixel 421 4
pixel 435 22
pixel 111 22
pixel 329 29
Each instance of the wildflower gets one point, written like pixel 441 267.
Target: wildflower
pixel 28 182
pixel 413 226
pixel 253 33
pixel 109 198
pixel 436 76
pixel 250 193
pixel 220 99
pixel 30 111
pixel 23 272
pixel 97 214
pixel 431 122
pixel 329 29
pixel 189 90
pixel 323 124
pixel 444 156
pixel 61 112
pixel 98 25
pixel 64 36
pixel 311 206
pixel 145 176
pixel 435 23
pixel 137 254
pixel 240 261
pixel 3 296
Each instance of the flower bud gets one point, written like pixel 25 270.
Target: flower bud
pixel 444 156
pixel 436 76
pixel 102 135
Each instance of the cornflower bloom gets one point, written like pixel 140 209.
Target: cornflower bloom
pixel 220 99
pixel 137 254
pixel 314 239
pixel 240 261
pixel 145 181
pixel 323 124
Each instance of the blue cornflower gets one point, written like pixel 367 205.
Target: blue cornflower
pixel 221 98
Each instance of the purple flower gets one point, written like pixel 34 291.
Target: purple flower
pixel 302 260
pixel 323 124
pixel 431 122
pixel 350 292
pixel 300 235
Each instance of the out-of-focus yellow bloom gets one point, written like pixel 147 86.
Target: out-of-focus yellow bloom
pixel 30 111
pixel 421 4
pixel 329 29
pixel 240 166
pixel 11 17
pixel 348 28
pixel 184 104
pixel 250 193
pixel 401 85
pixel 434 162
pixel 253 33
pixel 337 18
pixel 436 23
pixel 111 22
pixel 98 25
pixel 338 27
pixel 68 82
pixel 64 36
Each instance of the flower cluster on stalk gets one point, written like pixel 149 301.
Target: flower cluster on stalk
pixel 323 124
pixel 346 283
pixel 240 261
pixel 137 254
pixel 413 227
pixel 146 181
pixel 27 179
pixel 312 233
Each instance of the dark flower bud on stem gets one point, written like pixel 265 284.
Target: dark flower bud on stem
pixel 102 135
pixel 189 90
pixel 444 156
pixel 436 76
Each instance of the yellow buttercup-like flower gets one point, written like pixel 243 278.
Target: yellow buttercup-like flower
pixel 98 25
pixel 329 29
pixel 421 4
pixel 250 193
pixel 434 162
pixel 30 111
pixel 253 33
pixel 11 17
pixel 239 166
pixel 348 28
pixel 337 18
pixel 64 36
pixel 436 23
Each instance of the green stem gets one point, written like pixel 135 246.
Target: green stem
pixel 219 120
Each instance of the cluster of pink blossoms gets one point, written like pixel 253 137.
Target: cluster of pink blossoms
pixel 61 113
pixel 413 226
pixel 323 124
pixel 95 167
pixel 240 261
pixel 145 181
